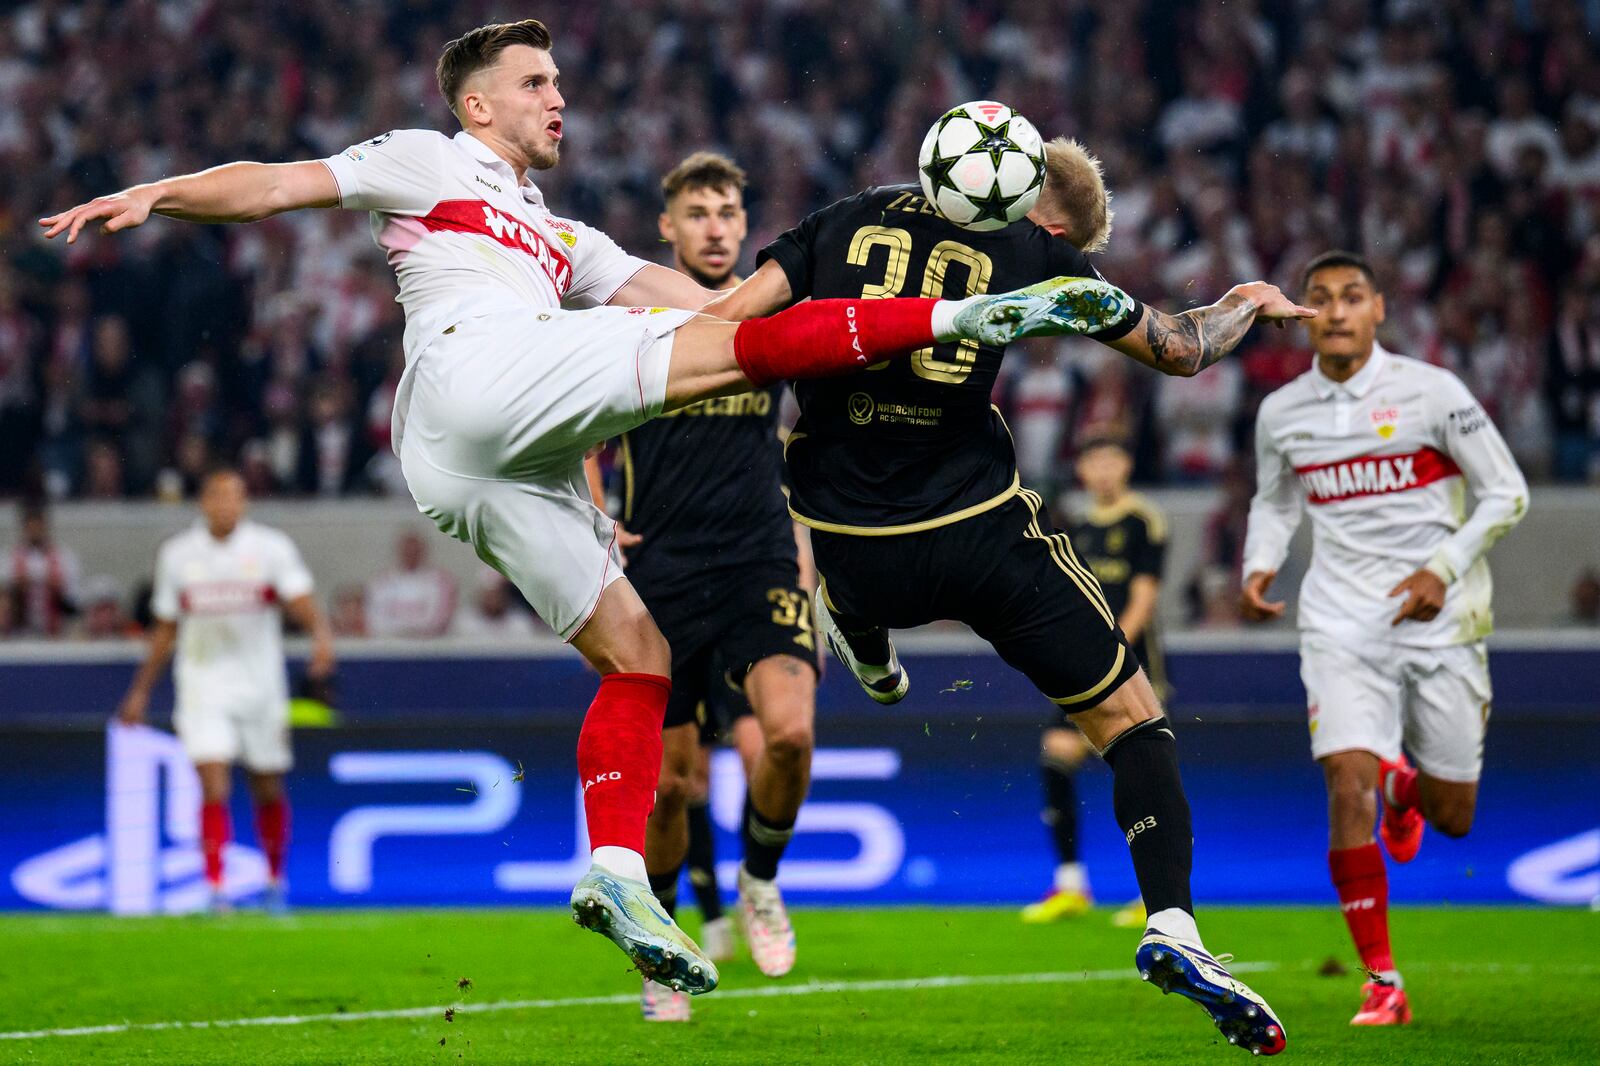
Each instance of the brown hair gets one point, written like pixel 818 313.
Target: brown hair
pixel 1075 191
pixel 479 48
pixel 702 170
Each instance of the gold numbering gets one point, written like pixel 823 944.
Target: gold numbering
pixel 897 242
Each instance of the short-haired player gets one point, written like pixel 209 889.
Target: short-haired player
pixel 222 590
pixel 1396 604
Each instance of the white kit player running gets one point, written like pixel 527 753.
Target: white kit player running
pixel 221 589
pixel 1395 606
pixel 530 338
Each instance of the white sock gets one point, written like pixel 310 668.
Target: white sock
pixel 1176 923
pixel 1070 877
pixel 1392 977
pixel 944 318
pixel 624 862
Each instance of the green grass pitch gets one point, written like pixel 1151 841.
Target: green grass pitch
pixel 1488 986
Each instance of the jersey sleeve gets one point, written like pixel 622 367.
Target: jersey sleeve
pixel 1066 260
pixel 290 578
pixel 1465 432
pixel 1276 508
pixel 1150 553
pixel 397 171
pixel 599 266
pixel 164 596
pixel 795 250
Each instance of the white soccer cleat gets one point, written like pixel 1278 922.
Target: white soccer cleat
pixel 1051 308
pixel 628 914
pixel 766 925
pixel 659 1003
pixel 716 938
pixel 885 682
pixel 1174 965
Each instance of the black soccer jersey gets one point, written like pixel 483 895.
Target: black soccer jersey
pixel 702 486
pixel 1119 543
pixel 908 443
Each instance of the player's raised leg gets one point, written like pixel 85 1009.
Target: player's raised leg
pixel 865 648
pixel 821 338
pixel 782 691
pixel 1062 752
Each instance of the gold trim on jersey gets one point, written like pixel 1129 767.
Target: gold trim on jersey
pixel 910 527
pixel 1060 546
pixel 1111 675
pixel 1132 503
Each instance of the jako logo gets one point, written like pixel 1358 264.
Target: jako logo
pixel 855 338
pixel 614 775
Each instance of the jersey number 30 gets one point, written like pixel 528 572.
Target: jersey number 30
pixel 897 242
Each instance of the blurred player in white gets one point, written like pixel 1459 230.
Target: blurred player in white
pixel 1395 607
pixel 531 338
pixel 222 588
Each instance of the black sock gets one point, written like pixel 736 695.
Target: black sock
pixel 1061 809
pixel 665 886
pixel 1153 812
pixel 869 643
pixel 703 862
pixel 764 842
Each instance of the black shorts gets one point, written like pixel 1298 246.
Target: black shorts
pixel 724 625
pixel 724 704
pixel 1005 572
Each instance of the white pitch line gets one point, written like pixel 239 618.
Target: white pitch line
pixel 813 988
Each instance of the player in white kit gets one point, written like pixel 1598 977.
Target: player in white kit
pixel 1395 607
pixel 222 588
pixel 530 338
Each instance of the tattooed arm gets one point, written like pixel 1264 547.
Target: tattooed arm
pixel 1187 343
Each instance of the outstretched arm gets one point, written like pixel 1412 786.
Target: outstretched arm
pixel 235 192
pixel 1187 343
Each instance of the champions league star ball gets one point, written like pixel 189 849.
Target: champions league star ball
pixel 982 165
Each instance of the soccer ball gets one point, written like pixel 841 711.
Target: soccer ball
pixel 982 165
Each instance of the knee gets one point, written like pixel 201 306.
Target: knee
pixel 791 740
pixel 1351 795
pixel 672 790
pixel 1452 819
pixel 1064 748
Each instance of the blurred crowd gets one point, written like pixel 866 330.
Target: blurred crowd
pixel 1453 141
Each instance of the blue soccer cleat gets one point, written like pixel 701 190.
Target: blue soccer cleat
pixel 628 914
pixel 1187 969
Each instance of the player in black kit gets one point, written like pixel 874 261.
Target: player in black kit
pixel 907 477
pixel 712 551
pixel 1123 540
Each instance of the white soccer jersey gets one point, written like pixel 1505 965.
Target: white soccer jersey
pixel 1382 461
pixel 465 239
pixel 225 596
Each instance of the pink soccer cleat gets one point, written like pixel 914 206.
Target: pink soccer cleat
pixel 1385 1005
pixel 1401 827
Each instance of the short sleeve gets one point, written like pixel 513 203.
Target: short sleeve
pixel 164 602
pixel 1151 553
pixel 1068 261
pixel 599 266
pixel 795 250
pixel 397 171
pixel 290 578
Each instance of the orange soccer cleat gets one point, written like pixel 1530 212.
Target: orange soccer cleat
pixel 1385 1005
pixel 1402 826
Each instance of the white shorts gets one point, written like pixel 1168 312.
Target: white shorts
pixel 501 411
pixel 255 738
pixel 1433 702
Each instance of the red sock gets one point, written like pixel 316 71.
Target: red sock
pixel 1363 884
pixel 1400 788
pixel 216 829
pixel 824 337
pixel 272 833
pixel 619 757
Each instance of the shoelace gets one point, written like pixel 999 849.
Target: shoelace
pixel 768 908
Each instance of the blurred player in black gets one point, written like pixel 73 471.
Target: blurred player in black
pixel 907 477
pixel 712 551
pixel 1123 541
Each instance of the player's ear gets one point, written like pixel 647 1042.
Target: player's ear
pixel 1377 307
pixel 664 222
